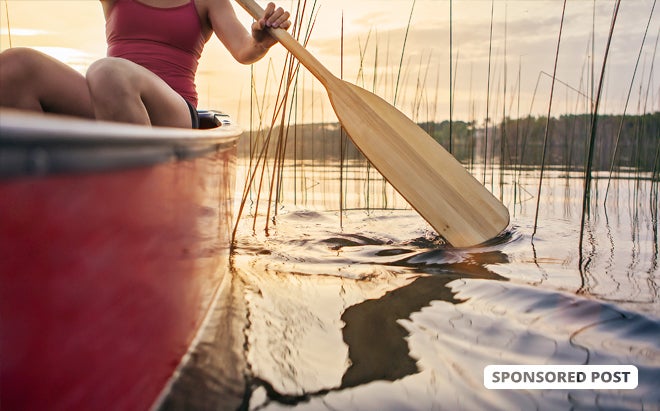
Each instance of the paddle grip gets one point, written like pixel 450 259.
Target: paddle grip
pixel 257 12
pixel 291 44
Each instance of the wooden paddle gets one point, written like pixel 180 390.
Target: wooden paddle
pixel 451 200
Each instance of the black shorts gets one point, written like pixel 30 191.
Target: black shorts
pixel 194 117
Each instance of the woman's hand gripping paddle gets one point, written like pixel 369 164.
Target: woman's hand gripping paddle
pixel 451 200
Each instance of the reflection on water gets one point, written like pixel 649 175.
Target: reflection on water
pixel 373 311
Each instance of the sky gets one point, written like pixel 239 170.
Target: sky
pixel 519 55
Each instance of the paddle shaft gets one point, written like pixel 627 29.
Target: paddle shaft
pixel 458 207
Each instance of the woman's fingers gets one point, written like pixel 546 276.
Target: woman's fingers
pixel 275 17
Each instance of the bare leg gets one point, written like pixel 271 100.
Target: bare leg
pixel 31 80
pixel 115 90
pixel 127 92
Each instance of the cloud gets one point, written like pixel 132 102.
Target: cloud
pixel 19 32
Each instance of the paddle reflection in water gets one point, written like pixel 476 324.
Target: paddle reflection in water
pixel 377 346
pixel 382 315
pixel 310 335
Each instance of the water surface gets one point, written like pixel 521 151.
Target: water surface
pixel 366 308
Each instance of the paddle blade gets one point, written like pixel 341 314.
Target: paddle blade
pixel 449 198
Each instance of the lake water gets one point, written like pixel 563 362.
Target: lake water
pixel 363 307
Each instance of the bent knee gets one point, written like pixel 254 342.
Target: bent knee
pixel 22 55
pixel 110 74
pixel 20 64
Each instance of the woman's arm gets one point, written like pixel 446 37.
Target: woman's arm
pixel 246 47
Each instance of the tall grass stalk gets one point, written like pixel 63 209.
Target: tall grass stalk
pixel 453 98
pixel 490 49
pixel 525 136
pixel 593 53
pixel 342 135
pixel 420 90
pixel 8 23
pixel 280 150
pixel 289 73
pixel 255 109
pixel 434 113
pixel 655 177
pixel 625 108
pixel 547 125
pixel 592 138
pixel 262 159
pixel 403 50
pixel 473 120
pixel 264 154
pixel 565 84
pixel 451 73
pixel 515 141
pixel 362 53
pixel 503 135
pixel 494 128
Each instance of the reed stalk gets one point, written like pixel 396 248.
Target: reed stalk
pixel 526 133
pixel 515 143
pixel 451 102
pixel 503 135
pixel 280 151
pixel 342 134
pixel 8 24
pixel 495 128
pixel 295 140
pixel 420 93
pixel 565 84
pixel 451 74
pixel 593 53
pixel 623 116
pixel 389 82
pixel 434 114
pixel 289 73
pixel 403 50
pixel 547 125
pixel 263 158
pixel 374 81
pixel 362 53
pixel 254 101
pixel 473 120
pixel 490 49
pixel 592 138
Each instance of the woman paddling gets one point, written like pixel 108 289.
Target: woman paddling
pixel 148 77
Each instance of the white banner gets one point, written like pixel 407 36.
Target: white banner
pixel 560 377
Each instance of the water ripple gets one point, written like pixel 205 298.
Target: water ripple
pixel 383 314
pixel 397 242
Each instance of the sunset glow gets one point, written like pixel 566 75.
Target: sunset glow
pixel 522 51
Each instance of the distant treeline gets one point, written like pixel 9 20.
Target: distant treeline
pixel 510 142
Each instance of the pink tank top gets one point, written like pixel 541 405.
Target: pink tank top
pixel 167 41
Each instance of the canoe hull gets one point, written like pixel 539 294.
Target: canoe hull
pixel 106 277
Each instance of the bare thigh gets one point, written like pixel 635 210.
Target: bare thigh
pixel 124 91
pixel 31 80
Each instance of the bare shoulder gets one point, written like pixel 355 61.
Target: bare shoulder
pixel 209 6
pixel 107 6
pixel 218 14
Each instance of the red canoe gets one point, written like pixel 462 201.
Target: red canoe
pixel 114 240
